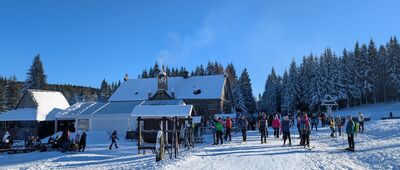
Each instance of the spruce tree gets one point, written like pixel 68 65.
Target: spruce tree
pixel 247 92
pixel 37 79
pixel 12 92
pixel 3 98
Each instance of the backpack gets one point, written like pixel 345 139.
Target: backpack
pixel 356 127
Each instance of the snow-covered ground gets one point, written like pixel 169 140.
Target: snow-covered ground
pixel 377 148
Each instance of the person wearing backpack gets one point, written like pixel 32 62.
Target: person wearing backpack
pixel 350 133
pixel 219 127
pixel 262 126
pixel 361 120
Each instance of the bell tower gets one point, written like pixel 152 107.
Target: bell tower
pixel 162 80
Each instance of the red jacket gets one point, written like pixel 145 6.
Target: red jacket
pixel 276 123
pixel 228 123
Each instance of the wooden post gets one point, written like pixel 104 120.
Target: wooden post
pixel 55 126
pixel 139 137
pixel 176 137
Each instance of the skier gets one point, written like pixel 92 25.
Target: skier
pixel 113 138
pixel 82 142
pixel 305 130
pixel 228 124
pixel 361 120
pixel 276 124
pixel 339 124
pixel 286 124
pixel 219 127
pixel 262 126
pixel 332 126
pixel 314 121
pixel 350 133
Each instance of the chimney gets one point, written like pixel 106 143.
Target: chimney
pixel 126 77
pixel 173 93
pixel 185 74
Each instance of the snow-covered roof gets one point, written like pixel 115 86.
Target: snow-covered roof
pixel 209 87
pixel 87 109
pixel 163 102
pixel 81 108
pixel 162 111
pixel 48 103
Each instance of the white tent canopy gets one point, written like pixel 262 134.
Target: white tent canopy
pixel 162 111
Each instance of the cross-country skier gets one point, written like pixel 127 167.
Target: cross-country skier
pixel 350 133
pixel 262 126
pixel 286 124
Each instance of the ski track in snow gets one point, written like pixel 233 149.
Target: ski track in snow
pixel 377 148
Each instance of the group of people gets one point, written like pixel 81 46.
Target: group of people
pixel 282 125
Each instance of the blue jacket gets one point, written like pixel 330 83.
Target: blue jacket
pixel 286 126
pixel 350 127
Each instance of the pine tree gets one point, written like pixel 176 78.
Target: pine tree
pixel 105 91
pixel 231 74
pixel 37 79
pixel 12 92
pixel 383 73
pixel 374 65
pixel 247 92
pixel 393 54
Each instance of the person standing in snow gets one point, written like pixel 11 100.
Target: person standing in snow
pixel 7 143
pixel 298 126
pixel 314 121
pixel 361 120
pixel 323 119
pixel 77 137
pixel 286 124
pixel 243 126
pixel 350 133
pixel 262 126
pixel 332 127
pixel 228 125
pixel 339 124
pixel 219 127
pixel 114 139
pixel 82 142
pixel 276 124
pixel 305 130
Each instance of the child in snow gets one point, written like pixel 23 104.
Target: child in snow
pixel 286 130
pixel 305 130
pixel 262 126
pixel 361 120
pixel 113 138
pixel 276 124
pixel 350 133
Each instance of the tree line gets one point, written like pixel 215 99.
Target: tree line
pixel 364 75
pixel 11 90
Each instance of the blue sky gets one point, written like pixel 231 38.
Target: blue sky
pixel 82 42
